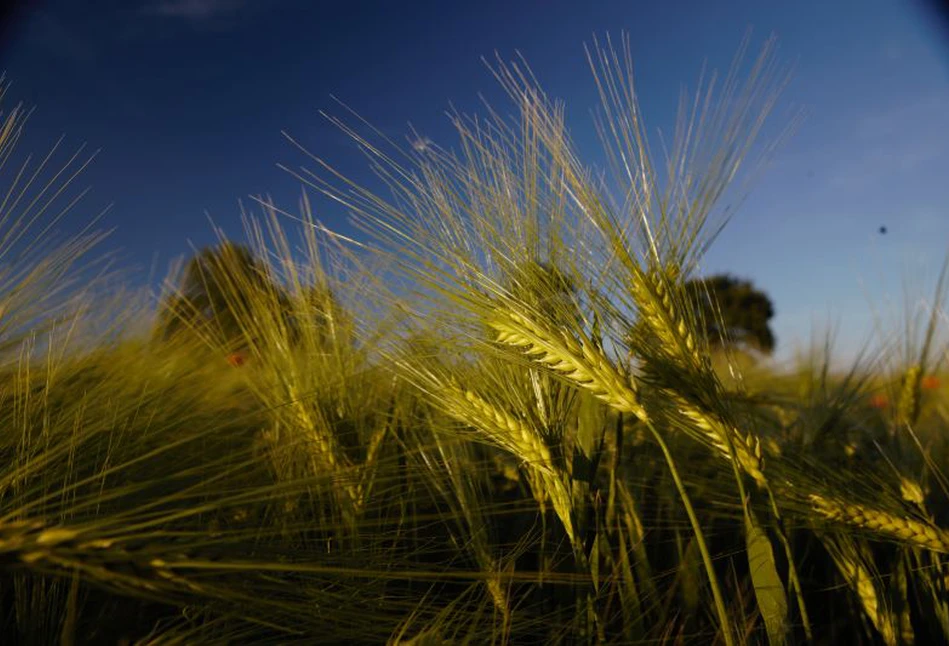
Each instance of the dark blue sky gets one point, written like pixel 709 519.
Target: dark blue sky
pixel 187 99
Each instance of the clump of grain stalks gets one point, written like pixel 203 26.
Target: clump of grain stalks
pixel 496 421
pixel 548 276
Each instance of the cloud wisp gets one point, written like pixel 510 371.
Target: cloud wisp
pixel 194 10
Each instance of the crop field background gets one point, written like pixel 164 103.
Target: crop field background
pixel 504 413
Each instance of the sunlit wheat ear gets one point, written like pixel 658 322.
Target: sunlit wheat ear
pixel 911 492
pixel 660 311
pixel 579 361
pixel 585 365
pixel 518 437
pixel 906 530
pixel 503 429
pixel 653 292
pixel 747 449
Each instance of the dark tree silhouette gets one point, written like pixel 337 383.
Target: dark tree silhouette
pixel 733 308
pixel 217 294
pixel 228 295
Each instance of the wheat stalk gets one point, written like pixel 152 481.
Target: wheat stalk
pixel 589 368
pixel 653 292
pixel 862 584
pixel 34 544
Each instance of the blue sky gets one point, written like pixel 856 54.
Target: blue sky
pixel 187 99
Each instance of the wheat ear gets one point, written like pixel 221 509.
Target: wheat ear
pixel 862 584
pixel 907 408
pixel 908 530
pixel 578 360
pixel 653 294
pixel 747 449
pixel 518 437
pixel 654 297
pixel 589 368
pixel 35 544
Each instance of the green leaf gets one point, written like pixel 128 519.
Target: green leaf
pixel 591 428
pixel 690 573
pixel 769 590
pixel 595 563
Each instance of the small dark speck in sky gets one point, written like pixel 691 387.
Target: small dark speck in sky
pixel 882 230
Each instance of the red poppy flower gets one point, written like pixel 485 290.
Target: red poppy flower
pixel 879 401
pixel 236 359
pixel 930 382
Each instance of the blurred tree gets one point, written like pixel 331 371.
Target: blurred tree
pixel 228 296
pixel 732 308
pixel 217 296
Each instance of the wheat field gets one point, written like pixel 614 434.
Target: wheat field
pixel 493 418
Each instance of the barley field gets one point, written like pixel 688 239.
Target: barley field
pixel 491 418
